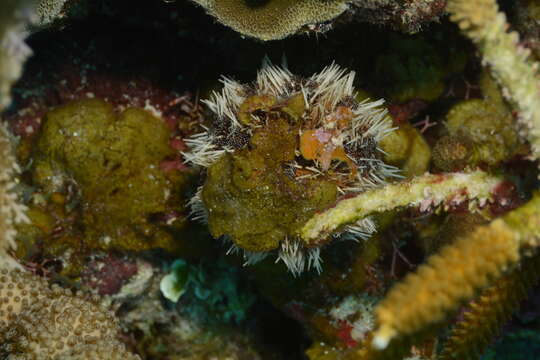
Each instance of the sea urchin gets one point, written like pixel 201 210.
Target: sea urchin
pixel 281 149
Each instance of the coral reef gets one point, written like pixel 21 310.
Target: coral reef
pixel 424 192
pixel 482 318
pixel 277 19
pixel 423 208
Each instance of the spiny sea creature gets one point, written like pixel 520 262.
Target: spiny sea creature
pixel 281 149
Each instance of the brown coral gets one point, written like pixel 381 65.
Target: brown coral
pixel 42 322
pixel 272 19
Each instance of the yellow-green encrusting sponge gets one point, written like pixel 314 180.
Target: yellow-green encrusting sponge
pixel 272 19
pixel 479 132
pixel 112 163
pixel 483 318
pixel 453 275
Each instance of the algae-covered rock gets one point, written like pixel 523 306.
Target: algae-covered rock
pixel 114 162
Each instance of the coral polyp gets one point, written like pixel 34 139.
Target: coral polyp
pixel 280 150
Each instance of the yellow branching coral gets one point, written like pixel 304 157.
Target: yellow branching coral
pixel 446 280
pixel 509 61
pixel 11 211
pixel 42 322
pixel 272 19
pixel 484 317
pixel 424 191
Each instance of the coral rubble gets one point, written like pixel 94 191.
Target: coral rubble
pixel 287 215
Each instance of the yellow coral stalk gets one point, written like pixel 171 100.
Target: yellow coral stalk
pixel 484 317
pixel 509 61
pixel 423 191
pixel 456 273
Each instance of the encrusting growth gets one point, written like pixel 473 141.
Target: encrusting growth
pixel 38 321
pixel 279 150
pixel 445 281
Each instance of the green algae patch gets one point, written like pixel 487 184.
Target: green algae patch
pixel 251 198
pixel 113 160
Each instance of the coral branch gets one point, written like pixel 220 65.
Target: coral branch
pixel 11 211
pixel 424 191
pixel 15 15
pixel 516 73
pixel 483 319
pixel 453 275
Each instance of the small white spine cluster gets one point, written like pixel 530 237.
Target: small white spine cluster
pixel 298 258
pixel 198 211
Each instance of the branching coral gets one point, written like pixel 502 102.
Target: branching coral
pixel 11 211
pixel 509 61
pixel 272 19
pixel 445 281
pixel 425 192
pixel 483 318
pixel 42 322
